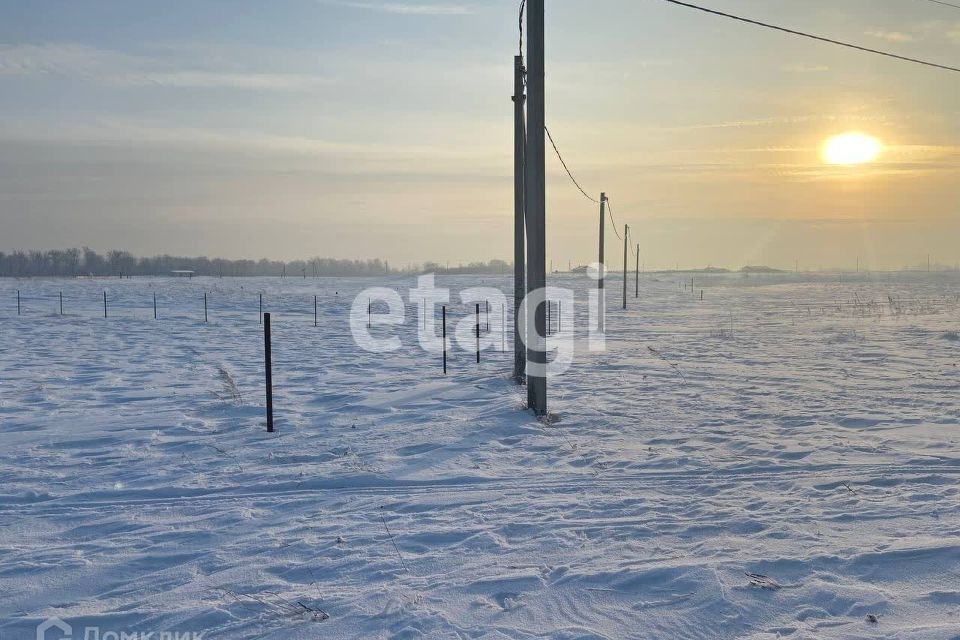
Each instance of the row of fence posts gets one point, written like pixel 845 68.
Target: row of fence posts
pixel 206 317
pixel 316 321
pixel 693 285
pixel 268 356
pixel 267 346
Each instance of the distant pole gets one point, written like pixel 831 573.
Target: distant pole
pixel 478 333
pixel 314 310
pixel 104 304
pixel 444 340
pixel 519 222
pixel 503 327
pixel 268 367
pixel 18 301
pixel 603 213
pixel 204 306
pixel 626 239
pixel 260 315
pixel 369 314
pixel 154 306
pixel 636 276
pixel 536 204
pixel 61 303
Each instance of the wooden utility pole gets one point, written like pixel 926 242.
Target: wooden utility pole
pixel 536 208
pixel 600 291
pixel 519 223
pixel 636 277
pixel 626 239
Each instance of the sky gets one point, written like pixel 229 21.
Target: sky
pixel 384 129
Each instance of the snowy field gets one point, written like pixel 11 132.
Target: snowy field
pixel 794 427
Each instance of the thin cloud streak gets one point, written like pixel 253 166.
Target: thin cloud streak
pixel 107 67
pixel 412 9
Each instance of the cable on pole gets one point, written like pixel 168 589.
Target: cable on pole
pixel 523 5
pixel 574 180
pixel 813 37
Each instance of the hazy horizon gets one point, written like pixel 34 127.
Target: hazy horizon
pixel 384 130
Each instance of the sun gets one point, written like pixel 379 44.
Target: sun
pixel 851 148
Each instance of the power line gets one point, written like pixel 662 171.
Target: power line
pixel 574 180
pixel 813 37
pixel 612 222
pixel 946 4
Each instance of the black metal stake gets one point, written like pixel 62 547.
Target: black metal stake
pixel 18 301
pixel 478 333
pixel 444 340
pixel 154 305
pixel 61 303
pixel 314 310
pixel 260 314
pixel 204 306
pixel 268 366
pixel 104 304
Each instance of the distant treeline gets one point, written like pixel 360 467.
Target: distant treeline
pixel 86 262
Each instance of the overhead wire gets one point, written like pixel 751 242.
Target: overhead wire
pixel 946 4
pixel 612 221
pixel 572 179
pixel 812 36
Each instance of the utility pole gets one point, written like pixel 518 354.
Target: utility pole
pixel 636 278
pixel 519 223
pixel 626 239
pixel 536 208
pixel 600 291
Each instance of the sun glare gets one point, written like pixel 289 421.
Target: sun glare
pixel 851 148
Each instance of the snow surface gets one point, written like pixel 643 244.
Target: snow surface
pixel 784 427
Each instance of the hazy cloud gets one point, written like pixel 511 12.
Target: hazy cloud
pixel 805 68
pixel 111 67
pixel 412 9
pixel 890 36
